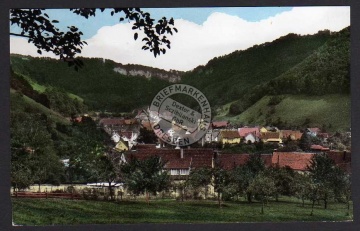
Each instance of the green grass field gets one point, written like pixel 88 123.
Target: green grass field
pixel 57 211
pixel 295 109
pixel 24 101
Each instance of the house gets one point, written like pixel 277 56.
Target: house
pixel 323 136
pixel 119 125
pixel 272 129
pixel 263 130
pixel 293 135
pixel 212 136
pixel 249 134
pixel 178 162
pixel 219 124
pixel 246 130
pixel 229 137
pixel 142 115
pixel 271 137
pixel 65 162
pixel 121 146
pixel 251 138
pixel 313 131
pixel 125 140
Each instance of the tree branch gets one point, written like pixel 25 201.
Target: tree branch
pixel 20 35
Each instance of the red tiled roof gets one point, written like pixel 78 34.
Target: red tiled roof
pixel 130 121
pixel 146 125
pixel 270 135
pixel 244 131
pixel 229 134
pixel 111 121
pixel 196 158
pixel 340 157
pixel 318 148
pixel 230 161
pixel 295 160
pixel 296 135
pixel 145 146
pixel 191 157
pixel 299 161
pixel 219 124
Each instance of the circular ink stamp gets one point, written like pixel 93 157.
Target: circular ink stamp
pixel 177 123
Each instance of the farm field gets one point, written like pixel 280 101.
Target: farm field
pixel 66 212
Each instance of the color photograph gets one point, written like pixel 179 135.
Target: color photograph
pixel 196 115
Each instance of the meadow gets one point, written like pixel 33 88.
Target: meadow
pixel 69 212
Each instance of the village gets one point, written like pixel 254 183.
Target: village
pixel 216 148
pixel 221 134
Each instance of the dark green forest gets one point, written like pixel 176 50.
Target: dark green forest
pixel 225 79
pixel 97 83
pixel 325 71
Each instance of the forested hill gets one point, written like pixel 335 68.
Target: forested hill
pixel 235 76
pixel 326 71
pixel 293 64
pixel 102 84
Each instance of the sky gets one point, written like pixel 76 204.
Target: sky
pixel 203 33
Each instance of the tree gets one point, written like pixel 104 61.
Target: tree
pixel 283 178
pixel 305 142
pixel 41 31
pixel 220 181
pixel 146 176
pixel 327 176
pixel 46 167
pixel 21 176
pixel 107 171
pixel 200 178
pixel 315 191
pixel 238 178
pixel 32 154
pixel 263 186
pixel 85 145
pixel 250 170
pixel 302 186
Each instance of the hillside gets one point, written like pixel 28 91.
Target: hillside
pixel 228 78
pixel 325 71
pixel 53 98
pixel 98 83
pixel 331 112
pixel 22 103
